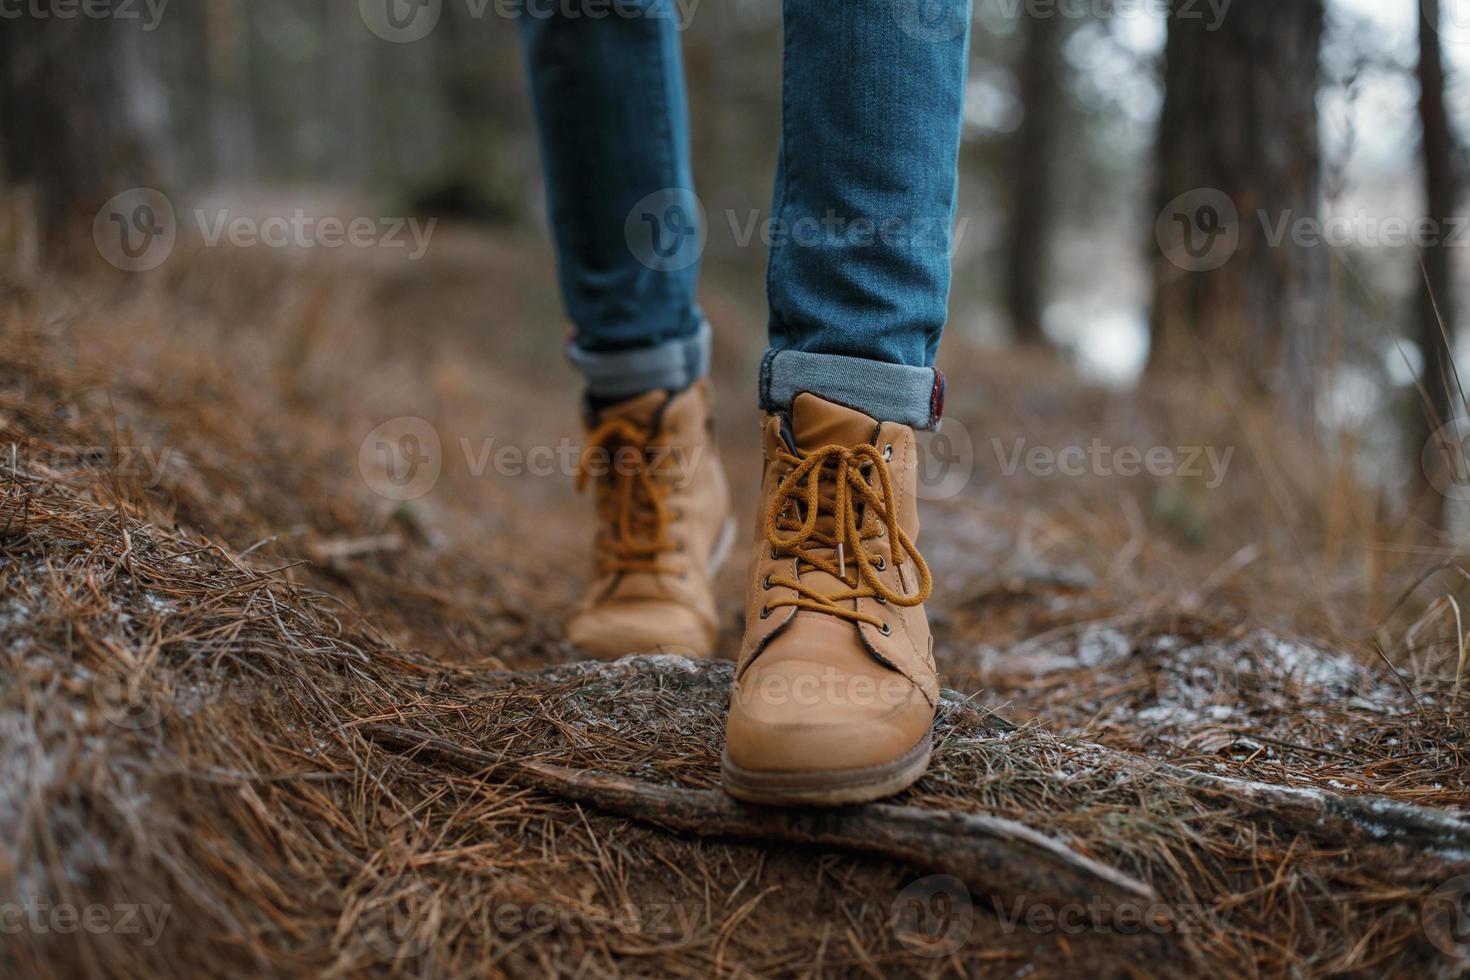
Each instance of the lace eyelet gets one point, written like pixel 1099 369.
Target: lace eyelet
pixel 886 630
pixel 775 556
pixel 880 563
pixel 881 601
pixel 888 452
pixel 767 583
pixel 765 612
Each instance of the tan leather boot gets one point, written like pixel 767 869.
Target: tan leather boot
pixel 664 527
pixel 836 687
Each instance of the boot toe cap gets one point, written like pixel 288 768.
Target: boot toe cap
pixel 649 626
pixel 804 716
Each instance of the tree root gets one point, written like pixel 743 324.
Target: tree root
pixel 989 854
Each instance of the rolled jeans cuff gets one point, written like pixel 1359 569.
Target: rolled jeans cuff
pixel 912 396
pixel 672 365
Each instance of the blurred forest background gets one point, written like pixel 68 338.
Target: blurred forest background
pixel 1083 121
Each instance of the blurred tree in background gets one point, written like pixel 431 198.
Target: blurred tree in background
pixel 1240 117
pixel 1082 122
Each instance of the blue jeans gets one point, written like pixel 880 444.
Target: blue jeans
pixel 860 226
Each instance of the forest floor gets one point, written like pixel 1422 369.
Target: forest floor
pixel 1230 683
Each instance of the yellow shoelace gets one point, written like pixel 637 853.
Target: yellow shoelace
pixel 850 494
pixel 630 500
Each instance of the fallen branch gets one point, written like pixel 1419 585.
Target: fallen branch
pixel 988 854
pixel 1338 817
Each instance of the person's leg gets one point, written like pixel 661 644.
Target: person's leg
pixel 859 271
pixel 836 687
pixel 608 96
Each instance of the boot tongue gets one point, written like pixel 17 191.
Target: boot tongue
pixel 640 409
pixel 816 422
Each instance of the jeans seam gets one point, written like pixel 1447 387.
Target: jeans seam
pixel 783 170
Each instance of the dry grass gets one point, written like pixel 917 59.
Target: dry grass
pixel 191 650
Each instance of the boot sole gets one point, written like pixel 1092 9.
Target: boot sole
pixel 829 787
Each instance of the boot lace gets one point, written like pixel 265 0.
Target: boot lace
pixel 852 489
pixel 631 501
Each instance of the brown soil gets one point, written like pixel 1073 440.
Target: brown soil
pixel 204 605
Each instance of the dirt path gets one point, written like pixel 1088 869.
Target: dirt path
pixel 207 604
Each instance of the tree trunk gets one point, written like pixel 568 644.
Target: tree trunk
pixel 1434 314
pixel 65 132
pixel 1239 155
pixel 1032 158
